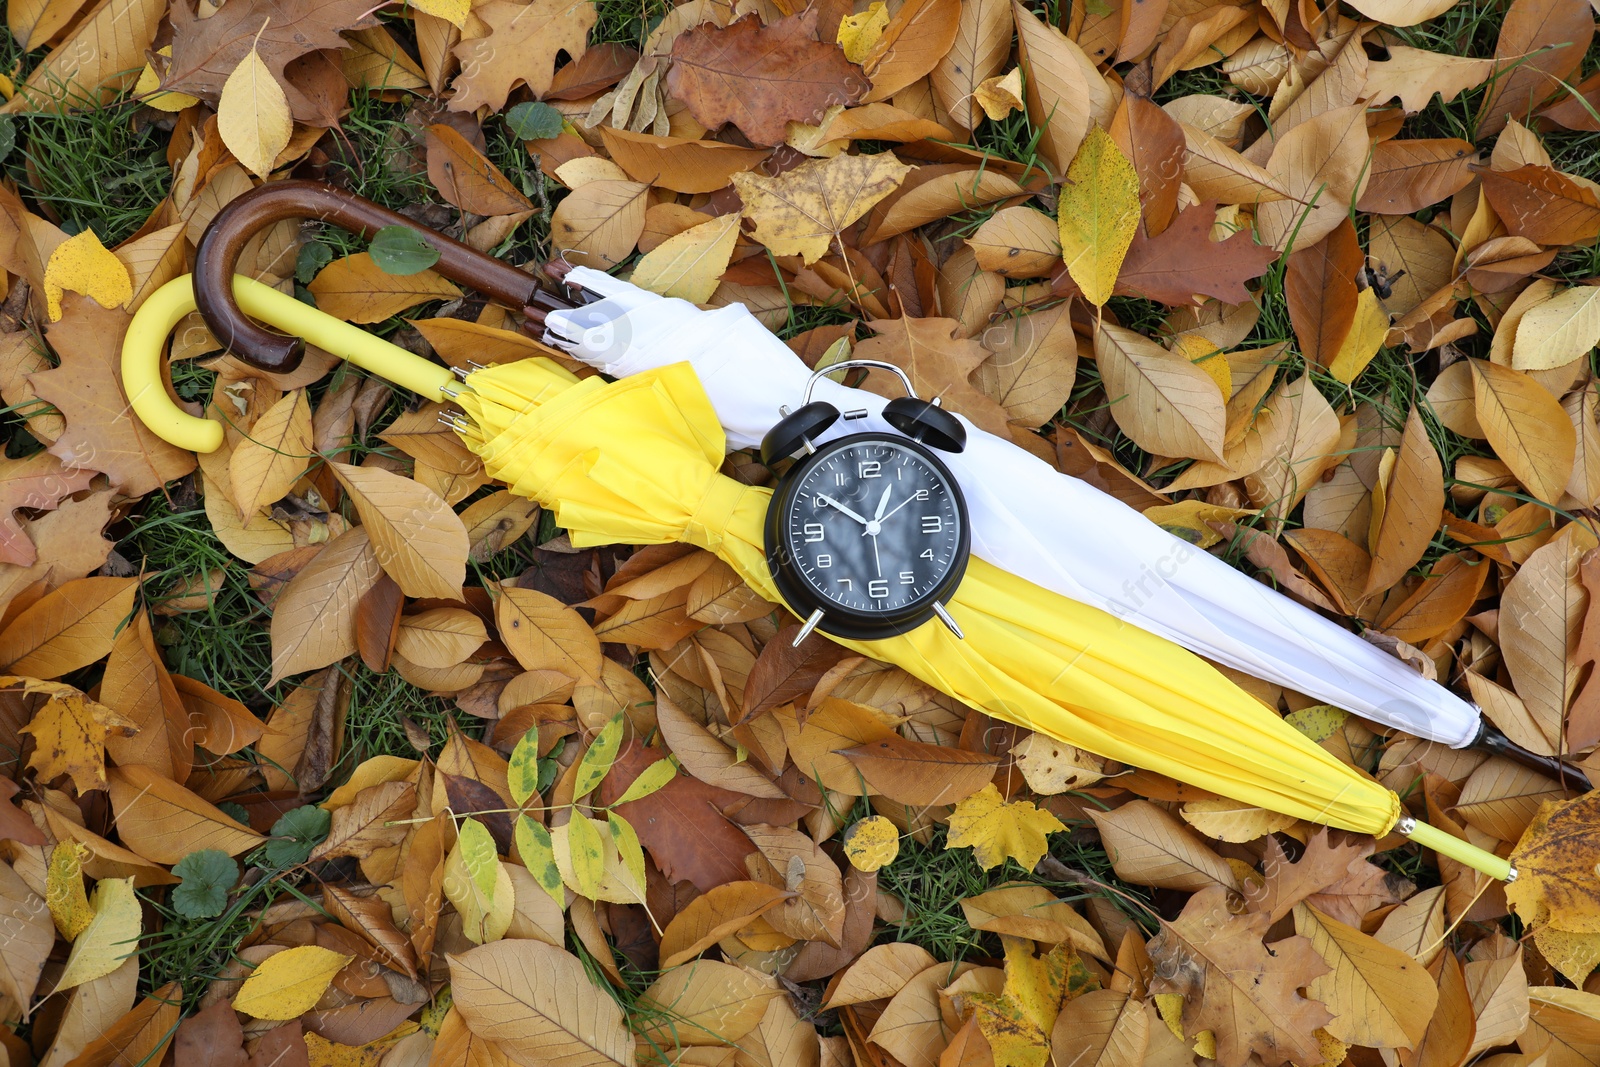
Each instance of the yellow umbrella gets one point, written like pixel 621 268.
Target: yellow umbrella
pixel 636 461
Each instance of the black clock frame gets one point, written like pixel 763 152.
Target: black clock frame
pixel 839 620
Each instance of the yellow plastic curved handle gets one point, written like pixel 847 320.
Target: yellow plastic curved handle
pixel 166 307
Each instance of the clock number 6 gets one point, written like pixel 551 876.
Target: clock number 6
pixel 878 590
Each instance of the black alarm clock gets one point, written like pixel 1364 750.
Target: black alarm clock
pixel 867 535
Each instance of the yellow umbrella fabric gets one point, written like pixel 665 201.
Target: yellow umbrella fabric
pixel 637 462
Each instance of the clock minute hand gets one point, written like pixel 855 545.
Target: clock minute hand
pixel 835 504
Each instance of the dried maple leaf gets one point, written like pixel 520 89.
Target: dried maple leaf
pixel 102 433
pixel 1184 263
pixel 1243 991
pixel 521 47
pixel 206 50
pixel 761 78
pixel 802 211
pixel 1557 881
pixel 996 829
pixel 69 733
pixel 38 482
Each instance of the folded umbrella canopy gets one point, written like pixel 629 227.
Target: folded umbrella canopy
pixel 1055 530
pixel 637 461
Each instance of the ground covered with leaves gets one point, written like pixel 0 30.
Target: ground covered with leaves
pixel 323 750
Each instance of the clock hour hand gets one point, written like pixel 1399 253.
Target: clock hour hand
pixel 883 502
pixel 826 499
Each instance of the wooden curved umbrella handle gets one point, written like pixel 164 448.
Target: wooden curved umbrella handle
pixel 275 201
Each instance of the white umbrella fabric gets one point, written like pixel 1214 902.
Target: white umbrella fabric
pixel 1027 518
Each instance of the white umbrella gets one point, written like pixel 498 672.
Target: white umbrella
pixel 1028 518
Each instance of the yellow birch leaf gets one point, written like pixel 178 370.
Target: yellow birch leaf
pixel 81 264
pixel 111 936
pixel 148 88
pixel 440 638
pixel 871 843
pixel 420 542
pixel 801 211
pixel 253 115
pixel 69 904
pixel 1366 336
pixel 288 984
pixel 997 830
pixel 452 11
pixel 690 264
pixel 858 33
pixel 1098 213
pixel 273 455
pixel 479 886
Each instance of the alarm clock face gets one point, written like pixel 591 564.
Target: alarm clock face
pixel 874 530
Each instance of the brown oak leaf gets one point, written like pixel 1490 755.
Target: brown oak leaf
pixel 760 78
pixel 1334 877
pixel 102 432
pixel 1184 262
pixel 38 482
pixel 206 50
pixel 1243 991
pixel 522 45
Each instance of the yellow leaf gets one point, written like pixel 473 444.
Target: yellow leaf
pixel 273 455
pixel 81 264
pixel 1379 996
pixel 442 637
pixel 690 264
pixel 871 843
pixel 713 915
pixel 1558 883
pixel 314 617
pixel 858 33
pixel 1199 350
pixel 1527 427
pixel 111 936
pixel 587 850
pixel 69 904
pixel 253 115
pixel 1192 519
pixel 69 732
pixel 479 886
pixel 705 1002
pixel 288 984
pixel 452 11
pixel 148 88
pixel 1366 336
pixel 1230 820
pixel 355 288
pixel 1559 330
pixel 801 211
pixel 1098 213
pixel 1017 1021
pixel 997 830
pixel 164 821
pixel 1050 766
pixel 1000 96
pixel 420 542
pixel 320 1052
pixel 538 1003
pixel 1163 402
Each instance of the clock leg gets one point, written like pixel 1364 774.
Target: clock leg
pixel 944 617
pixel 811 624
